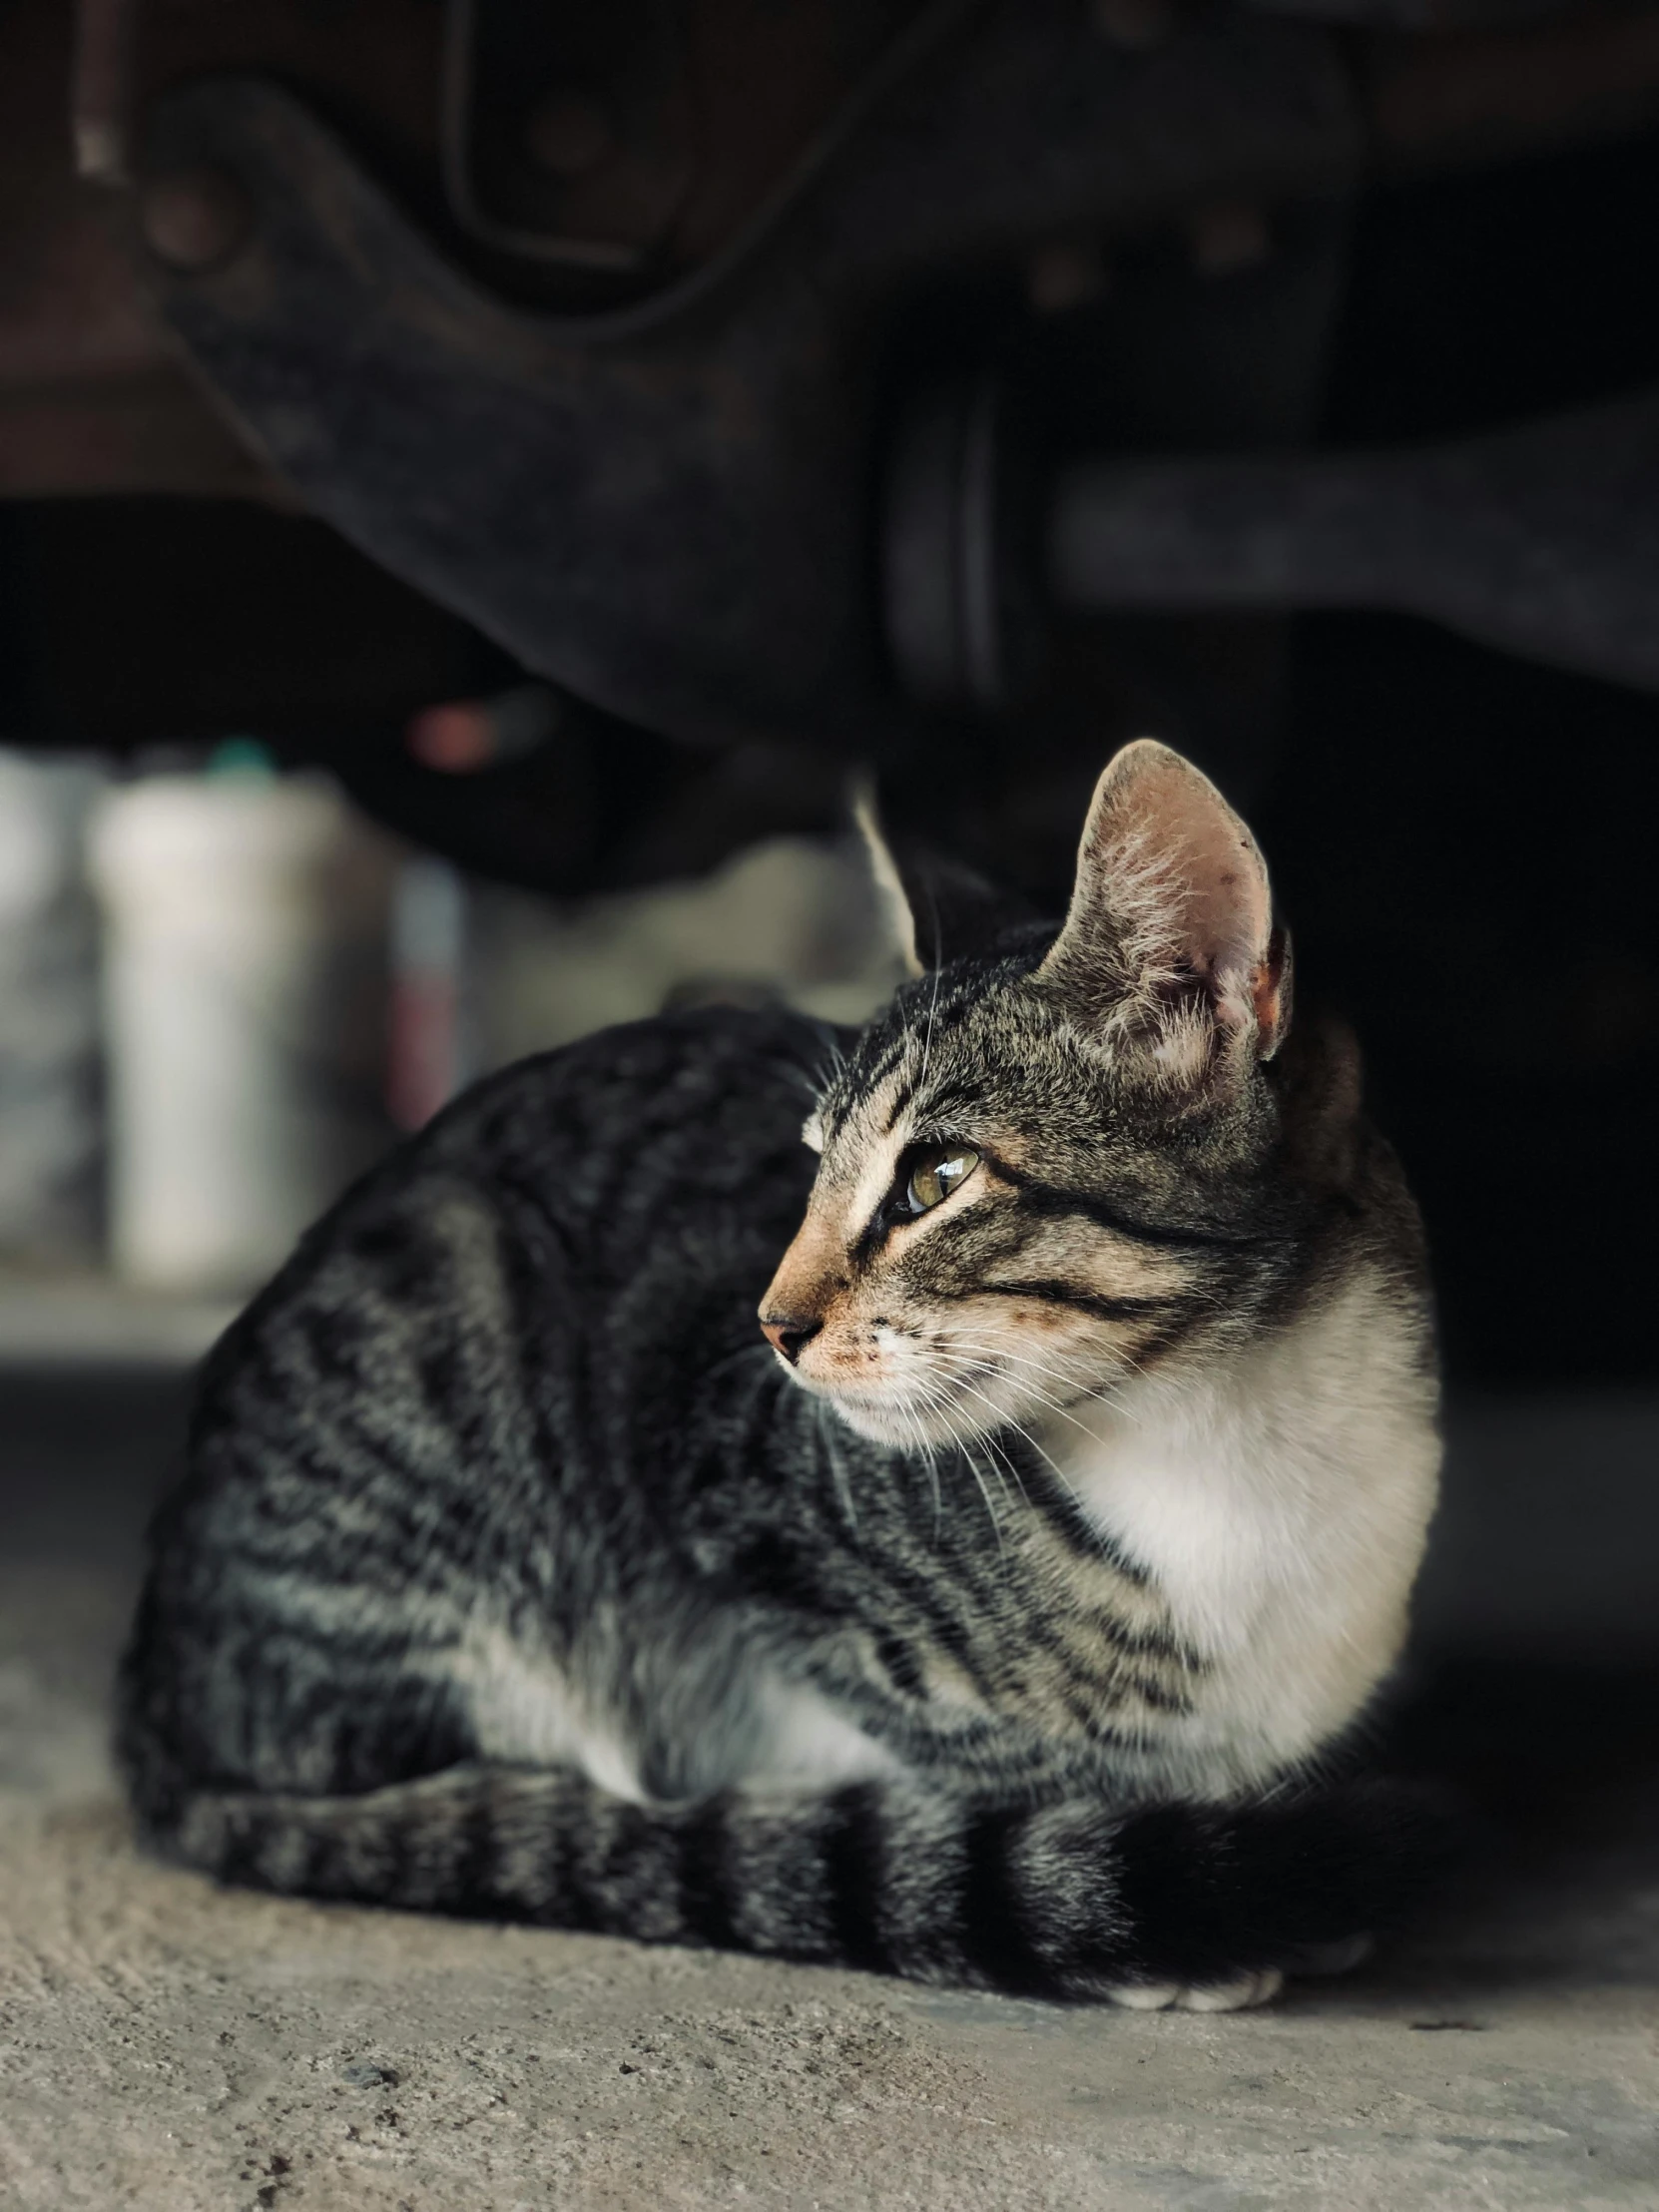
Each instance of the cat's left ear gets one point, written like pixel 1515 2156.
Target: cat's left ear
pixel 1169 941
pixel 884 874
pixel 937 909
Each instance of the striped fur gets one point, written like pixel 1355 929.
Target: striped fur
pixel 1061 1897
pixel 990 1637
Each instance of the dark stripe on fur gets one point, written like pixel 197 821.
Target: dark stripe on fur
pixel 854 1865
pixel 906 1091
pixel 993 1934
pixel 707 1891
pixel 1054 1203
pixel 1049 1293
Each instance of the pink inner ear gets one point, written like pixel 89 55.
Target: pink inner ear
pixel 1226 915
pixel 1171 891
pixel 1270 996
pixel 1263 996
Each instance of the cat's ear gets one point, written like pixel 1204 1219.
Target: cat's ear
pixel 890 893
pixel 937 909
pixel 1169 945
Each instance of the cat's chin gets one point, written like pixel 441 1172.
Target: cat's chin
pixel 878 1424
pixel 883 1420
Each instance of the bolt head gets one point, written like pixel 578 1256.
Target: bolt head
pixel 1138 26
pixel 1064 275
pixel 569 132
pixel 196 219
pixel 1226 236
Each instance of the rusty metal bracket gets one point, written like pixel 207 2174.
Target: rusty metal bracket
pixel 535 99
pixel 669 508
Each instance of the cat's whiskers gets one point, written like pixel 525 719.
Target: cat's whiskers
pixel 1106 1395
pixel 995 1465
pixel 997 1359
pixel 996 1445
pixel 1003 1352
pixel 986 1367
pixel 991 1445
pixel 948 1417
pixel 954 1418
pixel 926 1450
pixel 1053 1404
pixel 989 1437
pixel 973 1469
pixel 1009 1422
pixel 1025 1436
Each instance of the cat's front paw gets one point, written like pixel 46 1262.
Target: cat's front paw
pixel 1240 1992
pixel 1238 1995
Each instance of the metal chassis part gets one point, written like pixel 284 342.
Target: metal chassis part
pixel 669 508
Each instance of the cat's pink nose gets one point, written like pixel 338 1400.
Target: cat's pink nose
pixel 787 1334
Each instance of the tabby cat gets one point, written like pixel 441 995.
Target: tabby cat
pixel 982 1616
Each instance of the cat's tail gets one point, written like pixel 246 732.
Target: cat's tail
pixel 1060 1900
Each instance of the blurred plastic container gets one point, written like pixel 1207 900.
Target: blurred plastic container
pixel 429 1046
pixel 50 1122
pixel 244 995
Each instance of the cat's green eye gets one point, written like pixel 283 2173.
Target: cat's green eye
pixel 936 1175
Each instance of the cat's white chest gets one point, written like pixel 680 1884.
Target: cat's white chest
pixel 1279 1499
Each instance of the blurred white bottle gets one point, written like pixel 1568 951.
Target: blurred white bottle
pixel 49 1014
pixel 246 919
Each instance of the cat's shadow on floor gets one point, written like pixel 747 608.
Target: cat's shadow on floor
pixel 1554 1765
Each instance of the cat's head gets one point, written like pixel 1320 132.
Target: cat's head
pixel 1049 1164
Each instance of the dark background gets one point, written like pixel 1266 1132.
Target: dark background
pixel 1461 839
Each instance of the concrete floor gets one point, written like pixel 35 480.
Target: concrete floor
pixel 165 2045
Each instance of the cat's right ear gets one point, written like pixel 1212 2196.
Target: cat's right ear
pixel 937 909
